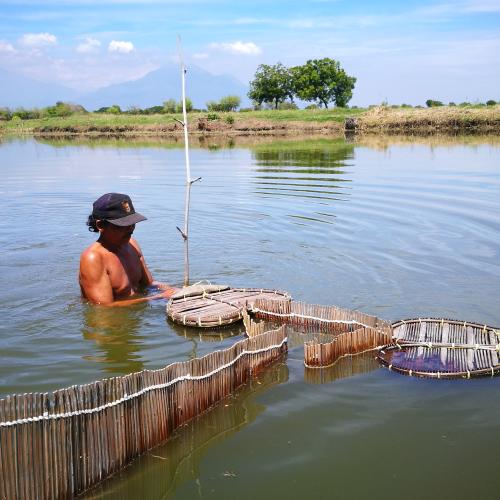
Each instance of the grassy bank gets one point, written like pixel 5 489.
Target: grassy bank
pixel 269 122
pixel 430 120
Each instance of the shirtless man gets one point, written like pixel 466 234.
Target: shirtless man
pixel 113 269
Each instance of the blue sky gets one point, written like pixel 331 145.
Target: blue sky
pixel 399 51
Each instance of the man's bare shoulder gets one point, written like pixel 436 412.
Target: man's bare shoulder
pixel 94 254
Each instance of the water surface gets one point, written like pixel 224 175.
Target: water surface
pixel 396 228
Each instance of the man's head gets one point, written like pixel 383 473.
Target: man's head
pixel 115 209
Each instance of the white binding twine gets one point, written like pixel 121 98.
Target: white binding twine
pixel 128 397
pixel 304 316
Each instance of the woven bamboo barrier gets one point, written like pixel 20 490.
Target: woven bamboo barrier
pixel 353 332
pixel 60 444
pixel 165 468
pixel 320 355
pixel 442 348
pixel 312 317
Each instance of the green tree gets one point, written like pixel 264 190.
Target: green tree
pixel 323 81
pixel 114 110
pixel 213 106
pixel 431 103
pixel 60 109
pixel 490 102
pixel 169 106
pixel 230 103
pixel 271 84
pixel 189 106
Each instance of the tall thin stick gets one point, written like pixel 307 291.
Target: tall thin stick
pixel 189 181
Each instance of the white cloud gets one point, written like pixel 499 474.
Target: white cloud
pixel 6 47
pixel 89 46
pixel 245 48
pixel 38 39
pixel 121 47
pixel 200 55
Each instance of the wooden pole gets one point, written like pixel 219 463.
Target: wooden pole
pixel 185 232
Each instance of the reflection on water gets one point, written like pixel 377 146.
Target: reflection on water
pixel 348 366
pixel 316 174
pixel 117 337
pixel 160 472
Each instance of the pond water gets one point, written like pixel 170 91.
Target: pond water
pixel 394 227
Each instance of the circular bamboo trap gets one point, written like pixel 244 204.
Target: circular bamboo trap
pixel 442 348
pixel 209 306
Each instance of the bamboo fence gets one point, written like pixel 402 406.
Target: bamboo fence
pixel 329 319
pixel 158 473
pixel 60 444
pixel 349 332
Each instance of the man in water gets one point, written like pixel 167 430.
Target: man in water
pixel 113 269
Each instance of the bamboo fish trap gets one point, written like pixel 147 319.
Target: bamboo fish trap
pixel 442 348
pixel 60 444
pixel 209 306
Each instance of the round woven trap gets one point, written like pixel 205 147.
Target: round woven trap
pixel 442 348
pixel 208 306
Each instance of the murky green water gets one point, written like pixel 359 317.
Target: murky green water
pixel 396 228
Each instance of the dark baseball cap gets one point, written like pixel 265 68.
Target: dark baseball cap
pixel 117 209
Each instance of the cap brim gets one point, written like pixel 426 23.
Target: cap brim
pixel 128 220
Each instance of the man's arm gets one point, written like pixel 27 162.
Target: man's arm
pixel 94 279
pixel 147 278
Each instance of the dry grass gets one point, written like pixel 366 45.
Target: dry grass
pixel 446 118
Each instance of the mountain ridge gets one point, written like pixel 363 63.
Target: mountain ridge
pixel 152 89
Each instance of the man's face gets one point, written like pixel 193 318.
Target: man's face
pixel 118 235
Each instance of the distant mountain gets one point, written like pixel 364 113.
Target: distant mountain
pixel 20 91
pixel 151 90
pixel 165 83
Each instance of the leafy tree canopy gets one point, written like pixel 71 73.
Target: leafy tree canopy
pixel 323 81
pixel 272 84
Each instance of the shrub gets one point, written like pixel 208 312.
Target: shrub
pixel 213 116
pixel 169 106
pixel 230 103
pixel 5 114
pixel 213 106
pixel 490 102
pixel 245 110
pixel 287 105
pixel 451 103
pixel 189 106
pixel 431 103
pixel 154 110
pixel 25 114
pixel 114 110
pixel 464 104
pixel 230 119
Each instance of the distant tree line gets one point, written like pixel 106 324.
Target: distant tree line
pixel 59 109
pixel 228 103
pixel 431 103
pixel 321 81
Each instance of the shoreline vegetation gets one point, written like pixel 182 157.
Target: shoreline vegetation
pixel 334 121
